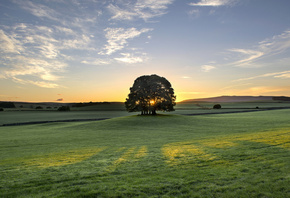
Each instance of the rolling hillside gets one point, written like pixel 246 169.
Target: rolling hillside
pixel 238 99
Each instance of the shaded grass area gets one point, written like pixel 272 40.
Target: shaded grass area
pixel 228 155
pixel 10 117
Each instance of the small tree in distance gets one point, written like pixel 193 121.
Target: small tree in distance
pixel 150 94
pixel 217 106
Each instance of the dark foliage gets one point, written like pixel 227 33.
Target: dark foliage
pixel 89 104
pixel 64 108
pixel 1 109
pixel 150 94
pixel 7 105
pixel 38 107
pixel 217 106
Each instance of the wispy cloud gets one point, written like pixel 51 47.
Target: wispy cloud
pixel 248 56
pixel 80 42
pixel 73 16
pixel 276 44
pixel 255 90
pixel 122 14
pixel 9 44
pixel 214 3
pixel 39 10
pixel 144 9
pixel 131 58
pixel 207 68
pixel 261 90
pixel 117 38
pixel 269 47
pixel 30 51
pixel 283 74
pixel 96 62
pixel 40 72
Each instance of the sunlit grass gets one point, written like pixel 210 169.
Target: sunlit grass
pixel 53 159
pixel 182 153
pixel 219 143
pixel 142 152
pixel 279 138
pixel 177 153
pixel 64 158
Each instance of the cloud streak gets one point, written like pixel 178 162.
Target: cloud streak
pixel 269 47
pixel 261 90
pixel 283 74
pixel 96 62
pixel 39 10
pixel 248 54
pixel 131 58
pixel 9 44
pixel 142 9
pixel 117 38
pixel 207 68
pixel 214 3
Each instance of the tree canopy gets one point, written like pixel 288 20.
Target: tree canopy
pixel 150 93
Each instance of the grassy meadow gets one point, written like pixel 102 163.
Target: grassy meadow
pixel 168 155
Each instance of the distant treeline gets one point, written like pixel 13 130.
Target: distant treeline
pixel 81 104
pixel 7 105
pixel 282 98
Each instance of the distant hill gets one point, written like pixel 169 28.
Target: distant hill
pixel 238 99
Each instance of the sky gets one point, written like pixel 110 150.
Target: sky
pixel 93 50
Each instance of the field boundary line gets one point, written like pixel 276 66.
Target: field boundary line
pixel 247 111
pixel 52 121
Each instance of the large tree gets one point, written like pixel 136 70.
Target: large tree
pixel 150 94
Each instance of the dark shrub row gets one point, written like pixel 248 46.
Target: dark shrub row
pixel 64 108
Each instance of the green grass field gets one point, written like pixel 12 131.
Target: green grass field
pixel 8 117
pixel 226 155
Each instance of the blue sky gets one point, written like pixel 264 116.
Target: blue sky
pixel 93 50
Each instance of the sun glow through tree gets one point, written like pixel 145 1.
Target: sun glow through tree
pixel 150 94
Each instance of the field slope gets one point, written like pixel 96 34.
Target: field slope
pixel 227 155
